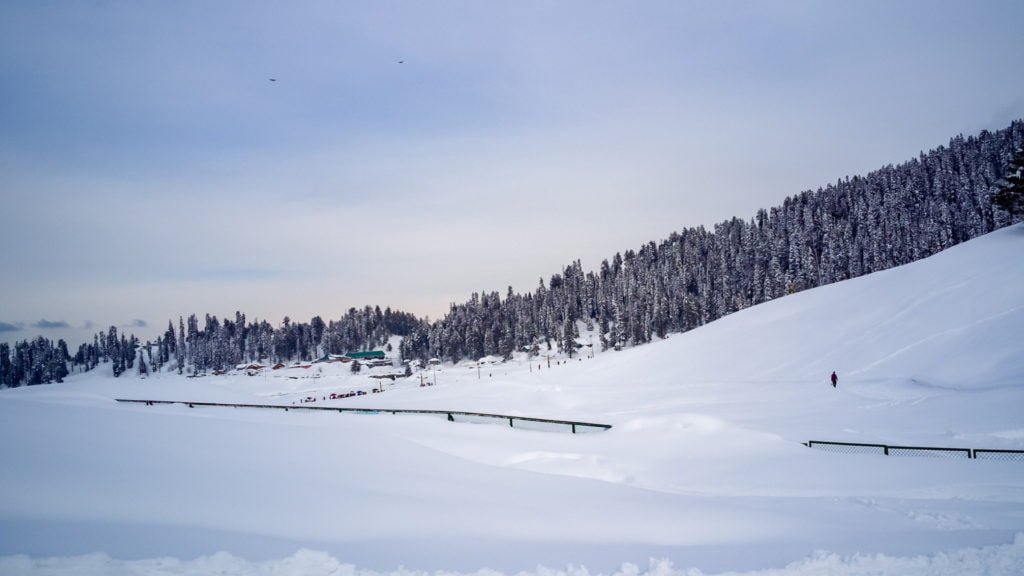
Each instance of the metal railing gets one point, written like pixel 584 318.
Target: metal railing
pixel 916 451
pixel 986 454
pixel 521 422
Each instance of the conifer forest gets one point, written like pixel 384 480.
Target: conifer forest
pixel 856 226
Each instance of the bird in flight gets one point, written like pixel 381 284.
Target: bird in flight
pixel 273 79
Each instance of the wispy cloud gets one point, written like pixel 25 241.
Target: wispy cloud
pixel 8 327
pixel 45 324
pixel 136 323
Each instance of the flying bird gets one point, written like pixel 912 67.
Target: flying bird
pixel 273 79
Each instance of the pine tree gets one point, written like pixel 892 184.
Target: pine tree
pixel 128 346
pixel 1010 196
pixel 114 350
pixel 143 371
pixel 569 334
pixel 179 349
pixel 58 366
pixel 5 365
pixel 161 357
pixel 169 344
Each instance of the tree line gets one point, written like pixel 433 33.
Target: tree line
pixel 858 225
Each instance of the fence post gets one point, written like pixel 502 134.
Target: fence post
pixel 573 428
pixel 510 422
pixel 886 450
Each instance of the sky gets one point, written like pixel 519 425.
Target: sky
pixel 301 158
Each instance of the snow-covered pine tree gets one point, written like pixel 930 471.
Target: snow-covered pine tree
pixel 143 370
pixel 59 358
pixel 179 347
pixel 569 334
pixel 1010 195
pixel 5 365
pixel 113 350
pixel 170 345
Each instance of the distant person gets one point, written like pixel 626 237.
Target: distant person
pixel 835 379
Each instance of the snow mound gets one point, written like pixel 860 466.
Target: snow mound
pixel 1003 559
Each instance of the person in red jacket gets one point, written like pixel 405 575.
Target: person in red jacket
pixel 835 379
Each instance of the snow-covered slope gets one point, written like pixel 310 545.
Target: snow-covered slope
pixel 704 465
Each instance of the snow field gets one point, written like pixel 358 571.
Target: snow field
pixel 703 468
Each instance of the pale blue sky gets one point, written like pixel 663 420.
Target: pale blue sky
pixel 149 168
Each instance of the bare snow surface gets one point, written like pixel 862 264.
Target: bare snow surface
pixel 704 470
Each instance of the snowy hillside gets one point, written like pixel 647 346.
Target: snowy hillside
pixel 704 466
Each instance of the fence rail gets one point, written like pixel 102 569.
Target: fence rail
pixel 523 422
pixel 985 454
pixel 919 451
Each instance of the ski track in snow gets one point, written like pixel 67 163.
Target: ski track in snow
pixel 937 336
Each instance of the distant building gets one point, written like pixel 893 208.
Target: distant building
pixel 372 355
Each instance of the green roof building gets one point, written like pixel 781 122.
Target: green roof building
pixel 372 355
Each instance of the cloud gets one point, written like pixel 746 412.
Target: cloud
pixel 8 327
pixel 45 324
pixel 136 323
